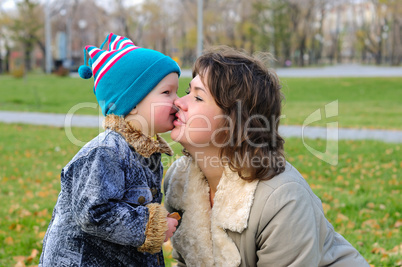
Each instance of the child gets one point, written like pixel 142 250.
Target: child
pixel 109 209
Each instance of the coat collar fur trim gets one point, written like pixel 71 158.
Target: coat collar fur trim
pixel 201 237
pixel 143 144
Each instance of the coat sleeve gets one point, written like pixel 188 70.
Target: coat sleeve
pixel 289 229
pixel 98 187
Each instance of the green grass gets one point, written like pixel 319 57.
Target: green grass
pixel 363 102
pixel 361 195
pixel 41 93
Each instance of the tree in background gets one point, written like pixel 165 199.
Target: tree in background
pixel 26 27
pixel 5 49
pixel 395 32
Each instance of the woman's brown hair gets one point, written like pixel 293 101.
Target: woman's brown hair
pixel 250 96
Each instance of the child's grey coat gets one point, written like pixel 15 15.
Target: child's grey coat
pixel 108 212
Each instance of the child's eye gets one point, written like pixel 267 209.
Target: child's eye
pixel 166 92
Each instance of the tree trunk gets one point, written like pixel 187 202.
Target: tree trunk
pixel 7 60
pixel 27 58
pixel 43 49
pixel 302 51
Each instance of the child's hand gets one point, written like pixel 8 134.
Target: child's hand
pixel 172 223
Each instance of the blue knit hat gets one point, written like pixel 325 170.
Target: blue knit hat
pixel 124 74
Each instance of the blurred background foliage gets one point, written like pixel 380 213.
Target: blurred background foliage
pixel 296 32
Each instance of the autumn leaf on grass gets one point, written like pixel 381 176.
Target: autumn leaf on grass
pixel 20 261
pixel 370 205
pixel 33 255
pixel 315 186
pixel 43 194
pixel 398 223
pixel 340 218
pixel 9 240
pixel 396 250
pixel 42 213
pixel 326 207
pixel 350 225
pixel 41 235
pixel 372 223
pixel 377 249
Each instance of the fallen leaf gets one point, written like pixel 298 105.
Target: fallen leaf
pixel 339 178
pixel 326 207
pixel 43 194
pixel 396 250
pixel 370 205
pixel 350 225
pixel 398 223
pixel 33 255
pixel 41 235
pixel 9 240
pixel 340 218
pixel 20 261
pixel 20 264
pixel 378 250
pixel 372 223
pixel 19 258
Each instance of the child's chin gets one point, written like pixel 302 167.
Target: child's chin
pixel 175 134
pixel 166 128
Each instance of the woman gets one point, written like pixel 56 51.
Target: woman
pixel 241 203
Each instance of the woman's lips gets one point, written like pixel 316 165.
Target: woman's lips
pixel 178 121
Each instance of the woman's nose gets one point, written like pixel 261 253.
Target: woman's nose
pixel 180 103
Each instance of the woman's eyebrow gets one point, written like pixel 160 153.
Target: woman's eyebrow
pixel 197 88
pixel 200 88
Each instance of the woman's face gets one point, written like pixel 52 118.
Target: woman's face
pixel 198 119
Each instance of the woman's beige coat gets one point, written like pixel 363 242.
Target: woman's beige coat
pixel 279 222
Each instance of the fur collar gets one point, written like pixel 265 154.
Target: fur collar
pixel 142 144
pixel 209 244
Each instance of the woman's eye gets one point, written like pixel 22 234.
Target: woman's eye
pixel 197 98
pixel 187 91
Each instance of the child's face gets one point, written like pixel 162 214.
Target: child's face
pixel 199 118
pixel 156 112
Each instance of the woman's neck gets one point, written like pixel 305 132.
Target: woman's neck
pixel 208 161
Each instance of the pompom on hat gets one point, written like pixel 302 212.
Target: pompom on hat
pixel 125 73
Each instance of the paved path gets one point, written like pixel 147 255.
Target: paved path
pixel 344 70
pixel 61 120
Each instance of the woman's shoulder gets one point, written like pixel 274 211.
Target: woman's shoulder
pixel 286 187
pixel 290 176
